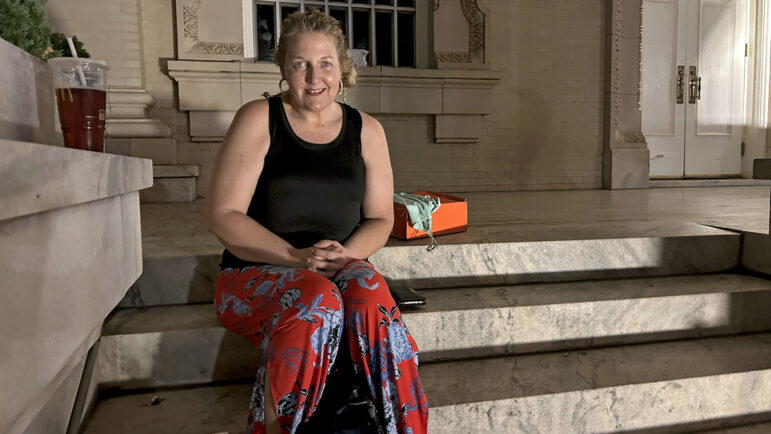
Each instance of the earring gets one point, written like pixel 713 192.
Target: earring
pixel 279 85
pixel 340 90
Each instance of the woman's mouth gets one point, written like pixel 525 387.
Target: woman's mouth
pixel 314 92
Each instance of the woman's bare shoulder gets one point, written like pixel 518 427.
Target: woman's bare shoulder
pixel 250 127
pixel 255 111
pixel 370 128
pixel 374 146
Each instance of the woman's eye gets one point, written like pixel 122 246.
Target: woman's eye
pixel 326 64
pixel 298 65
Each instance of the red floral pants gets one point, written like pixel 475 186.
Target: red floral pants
pixel 298 317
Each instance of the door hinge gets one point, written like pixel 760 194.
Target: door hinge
pixel 746 49
pixel 743 146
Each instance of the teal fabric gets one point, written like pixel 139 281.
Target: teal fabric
pixel 419 210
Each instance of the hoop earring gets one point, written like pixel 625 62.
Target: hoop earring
pixel 340 90
pixel 279 85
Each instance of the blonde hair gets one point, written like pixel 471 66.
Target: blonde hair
pixel 313 20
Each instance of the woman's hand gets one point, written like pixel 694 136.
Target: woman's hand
pixel 327 258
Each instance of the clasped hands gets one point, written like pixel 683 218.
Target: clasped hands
pixel 327 257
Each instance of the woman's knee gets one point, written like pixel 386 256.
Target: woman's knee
pixel 309 298
pixel 360 279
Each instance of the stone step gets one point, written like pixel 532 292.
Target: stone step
pixel 485 255
pixel 185 344
pixel 171 183
pixel 637 387
pixel 676 386
pixel 680 183
pixel 755 428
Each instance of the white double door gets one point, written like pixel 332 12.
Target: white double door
pixel 693 86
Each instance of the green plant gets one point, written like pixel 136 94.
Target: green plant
pixel 59 44
pixel 23 23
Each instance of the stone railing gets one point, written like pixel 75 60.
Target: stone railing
pixel 71 249
pixel 212 92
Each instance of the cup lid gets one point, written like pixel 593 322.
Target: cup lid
pixel 78 60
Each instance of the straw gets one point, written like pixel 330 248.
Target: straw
pixel 75 55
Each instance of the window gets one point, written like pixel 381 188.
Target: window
pixel 386 29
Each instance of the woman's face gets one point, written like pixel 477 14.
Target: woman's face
pixel 312 69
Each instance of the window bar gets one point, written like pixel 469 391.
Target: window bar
pixel 250 35
pixel 277 31
pixel 395 38
pixel 349 14
pixel 372 44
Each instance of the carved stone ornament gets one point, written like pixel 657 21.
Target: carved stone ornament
pixel 190 25
pixel 617 63
pixel 634 137
pixel 476 20
pixel 453 57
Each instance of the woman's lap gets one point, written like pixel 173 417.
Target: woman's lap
pixel 300 313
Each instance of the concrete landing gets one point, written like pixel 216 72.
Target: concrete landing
pixel 174 229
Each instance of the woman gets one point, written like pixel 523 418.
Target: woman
pixel 300 196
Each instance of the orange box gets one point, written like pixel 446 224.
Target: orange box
pixel 451 217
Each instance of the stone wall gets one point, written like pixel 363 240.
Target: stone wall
pixel 158 49
pixel 109 30
pixel 546 128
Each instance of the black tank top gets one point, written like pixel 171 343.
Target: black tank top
pixel 308 192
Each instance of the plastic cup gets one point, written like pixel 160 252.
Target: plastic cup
pixel 81 96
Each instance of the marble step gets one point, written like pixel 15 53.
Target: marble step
pixel 185 344
pixel 485 255
pixel 171 183
pixel 680 183
pixel 628 388
pixel 754 428
pixel 675 386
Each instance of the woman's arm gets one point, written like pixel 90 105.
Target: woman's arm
pixel 234 177
pixel 377 207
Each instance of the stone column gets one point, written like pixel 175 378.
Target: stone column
pixel 625 153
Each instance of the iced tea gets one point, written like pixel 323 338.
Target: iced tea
pixel 82 115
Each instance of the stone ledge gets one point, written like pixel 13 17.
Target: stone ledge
pixel 37 178
pixel 213 91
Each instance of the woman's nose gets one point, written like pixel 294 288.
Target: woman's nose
pixel 311 75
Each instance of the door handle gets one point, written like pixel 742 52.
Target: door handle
pixel 680 84
pixel 694 85
pixel 698 88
